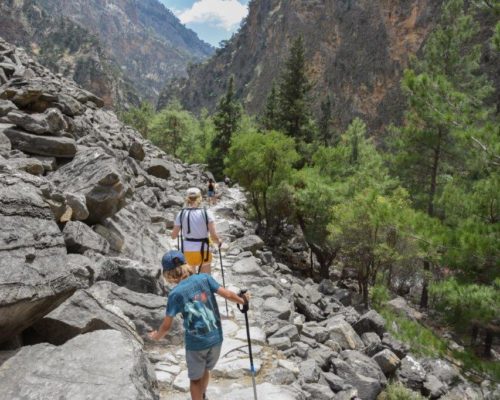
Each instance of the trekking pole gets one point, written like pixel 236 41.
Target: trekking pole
pixel 223 279
pixel 244 309
pixel 178 243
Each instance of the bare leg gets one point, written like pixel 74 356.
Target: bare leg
pixel 197 389
pixel 199 386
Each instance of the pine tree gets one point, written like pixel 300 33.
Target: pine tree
pixel 445 98
pixel 269 120
pixel 325 131
pixel 226 121
pixel 293 103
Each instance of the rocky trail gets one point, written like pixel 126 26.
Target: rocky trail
pixel 86 208
pixel 231 377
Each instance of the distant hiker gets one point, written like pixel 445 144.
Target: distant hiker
pixel 194 298
pixel 227 181
pixel 211 192
pixel 194 225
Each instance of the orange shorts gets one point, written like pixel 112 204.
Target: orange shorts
pixel 194 259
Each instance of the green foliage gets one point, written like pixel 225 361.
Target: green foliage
pixel 293 103
pixel 325 131
pixel 495 41
pixel 226 121
pixel 261 162
pixel 463 304
pixel 139 118
pixel 371 231
pixel 175 131
pixel 397 391
pixel 425 343
pixel 270 117
pixel 379 295
pixel 314 196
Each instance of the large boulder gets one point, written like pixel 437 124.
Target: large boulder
pixel 79 238
pixel 5 145
pixel 85 311
pixel 343 334
pixel 411 373
pixel 248 266
pixel 51 122
pixel 400 306
pixel 161 169
pixel 107 306
pixel 249 243
pixel 134 275
pixel 102 365
pixel 371 321
pixel 100 177
pixel 360 371
pixel 34 274
pixel 52 146
pixel 130 234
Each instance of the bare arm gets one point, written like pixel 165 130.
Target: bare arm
pixel 213 233
pixel 175 231
pixel 230 295
pixel 162 331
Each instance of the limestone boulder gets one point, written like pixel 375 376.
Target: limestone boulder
pixel 51 122
pixel 161 168
pixel 102 365
pixel 342 333
pixel 100 177
pixel 371 321
pixel 51 146
pixel 34 273
pixel 361 372
pixel 249 243
pixel 79 238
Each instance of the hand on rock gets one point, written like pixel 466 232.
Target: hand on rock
pixel 154 335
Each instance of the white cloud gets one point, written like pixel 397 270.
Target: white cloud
pixel 226 14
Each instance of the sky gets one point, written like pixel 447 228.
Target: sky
pixel 212 20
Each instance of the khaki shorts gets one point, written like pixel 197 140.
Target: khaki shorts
pixel 194 259
pixel 199 361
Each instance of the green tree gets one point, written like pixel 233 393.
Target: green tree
pixel 325 131
pixel 468 305
pixel 314 196
pixel 445 103
pixel 260 162
pixel 293 103
pixel 369 231
pixel 139 118
pixel 172 128
pixel 226 121
pixel 270 117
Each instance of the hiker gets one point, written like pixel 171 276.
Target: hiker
pixel 193 296
pixel 194 225
pixel 211 192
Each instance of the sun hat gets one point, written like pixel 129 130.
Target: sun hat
pixel 193 192
pixel 172 259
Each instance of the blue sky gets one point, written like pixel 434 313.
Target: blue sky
pixel 212 20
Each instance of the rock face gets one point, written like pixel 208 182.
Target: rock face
pixel 34 276
pixel 365 45
pixel 123 51
pixel 82 368
pixel 354 49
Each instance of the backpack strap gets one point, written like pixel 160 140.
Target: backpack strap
pixel 182 239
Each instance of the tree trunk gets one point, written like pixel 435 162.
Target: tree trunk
pixel 488 342
pixel 474 334
pixel 424 299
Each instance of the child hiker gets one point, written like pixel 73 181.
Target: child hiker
pixel 194 225
pixel 194 298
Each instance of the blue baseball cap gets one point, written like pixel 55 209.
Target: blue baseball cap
pixel 172 259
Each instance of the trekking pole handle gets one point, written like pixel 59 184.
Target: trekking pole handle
pixel 243 308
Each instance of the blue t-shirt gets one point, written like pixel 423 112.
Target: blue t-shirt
pixel 194 298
